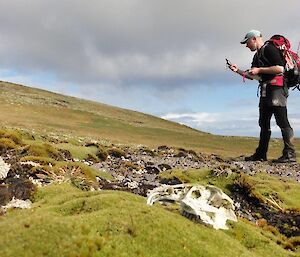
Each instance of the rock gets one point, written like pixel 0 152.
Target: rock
pixel 4 168
pixel 5 194
pixel 16 188
pixel 152 170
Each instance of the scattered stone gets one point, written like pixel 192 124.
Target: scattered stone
pixel 17 203
pixel 4 168
pixel 138 171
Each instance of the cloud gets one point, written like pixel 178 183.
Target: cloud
pixel 197 118
pixel 152 56
pixel 229 123
pixel 155 43
pixel 218 123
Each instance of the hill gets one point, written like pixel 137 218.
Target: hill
pixel 81 170
pixel 49 113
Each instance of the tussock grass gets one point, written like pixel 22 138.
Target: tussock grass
pixel 7 143
pixel 78 151
pixel 10 139
pixel 39 160
pixel 81 174
pixel 81 171
pixel 102 154
pixel 13 135
pixel 285 191
pixel 116 152
pixel 44 150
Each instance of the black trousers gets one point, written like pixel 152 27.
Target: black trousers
pixel 280 114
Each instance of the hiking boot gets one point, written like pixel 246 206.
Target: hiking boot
pixel 255 157
pixel 285 159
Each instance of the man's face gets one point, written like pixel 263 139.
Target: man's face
pixel 251 44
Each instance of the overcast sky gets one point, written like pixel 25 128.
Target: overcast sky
pixel 161 57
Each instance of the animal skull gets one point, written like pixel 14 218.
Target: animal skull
pixel 207 203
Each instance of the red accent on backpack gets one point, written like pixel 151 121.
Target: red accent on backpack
pixel 292 59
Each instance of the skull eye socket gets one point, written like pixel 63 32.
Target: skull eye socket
pixel 221 203
pixel 196 194
pixel 170 191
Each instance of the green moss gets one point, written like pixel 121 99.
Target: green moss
pixel 202 176
pixel 44 150
pixel 65 221
pixel 175 174
pixel 27 136
pixel 286 191
pixel 78 151
pixel 283 193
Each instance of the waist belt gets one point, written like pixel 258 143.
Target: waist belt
pixel 276 81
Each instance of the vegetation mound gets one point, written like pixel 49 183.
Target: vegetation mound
pixel 65 221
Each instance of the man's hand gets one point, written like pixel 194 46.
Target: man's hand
pixel 233 67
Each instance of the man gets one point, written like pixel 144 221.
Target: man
pixel 268 64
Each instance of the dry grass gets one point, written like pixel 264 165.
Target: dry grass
pixel 46 112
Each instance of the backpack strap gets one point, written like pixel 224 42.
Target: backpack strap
pixel 262 60
pixel 278 78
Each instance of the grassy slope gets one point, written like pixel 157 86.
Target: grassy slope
pixel 67 222
pixel 46 113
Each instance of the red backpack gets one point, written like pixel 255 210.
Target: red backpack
pixel 292 67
